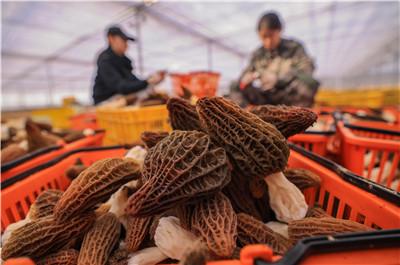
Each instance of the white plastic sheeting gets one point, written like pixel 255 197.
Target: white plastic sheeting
pixel 49 48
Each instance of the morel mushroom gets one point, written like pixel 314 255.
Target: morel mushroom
pixel 317 212
pixel 150 139
pixel 214 220
pixel 44 204
pixel 38 139
pixel 100 241
pixel 172 239
pixel 37 238
pixel 289 120
pixel 257 149
pixel 323 227
pixel 302 178
pixel 183 115
pixel 137 230
pixel 73 136
pixel 182 167
pixel 63 257
pixel 95 185
pixel 252 231
pixel 12 152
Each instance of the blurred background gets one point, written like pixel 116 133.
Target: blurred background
pixel 49 49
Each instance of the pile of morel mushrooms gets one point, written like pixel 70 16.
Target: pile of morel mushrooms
pixel 216 183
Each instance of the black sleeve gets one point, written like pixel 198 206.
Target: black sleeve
pixel 114 80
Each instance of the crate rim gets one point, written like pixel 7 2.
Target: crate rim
pixel 340 242
pixel 10 181
pixel 16 162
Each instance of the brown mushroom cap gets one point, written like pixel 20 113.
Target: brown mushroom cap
pixel 214 220
pixel 302 178
pixel 150 139
pixel 181 167
pixel 253 231
pixel 289 120
pixel 183 115
pixel 255 147
pixel 44 204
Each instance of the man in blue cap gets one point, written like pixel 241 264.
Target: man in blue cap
pixel 114 69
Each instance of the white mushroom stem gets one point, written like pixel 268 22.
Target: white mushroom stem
pixel 146 256
pixel 137 153
pixel 172 239
pixel 279 227
pixel 285 199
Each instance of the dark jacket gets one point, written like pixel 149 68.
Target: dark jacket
pixel 114 76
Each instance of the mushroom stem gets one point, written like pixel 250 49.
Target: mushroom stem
pixel 146 256
pixel 285 199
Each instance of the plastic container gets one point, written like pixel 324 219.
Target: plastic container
pixel 371 150
pixel 84 121
pixel 124 125
pixel 43 155
pixel 317 141
pixel 200 84
pixel 342 194
pixel 20 191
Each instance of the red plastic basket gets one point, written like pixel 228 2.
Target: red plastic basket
pixel 342 195
pixel 371 150
pixel 200 84
pixel 84 121
pixel 41 156
pixel 316 141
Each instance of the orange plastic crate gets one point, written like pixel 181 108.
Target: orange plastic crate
pixel 366 203
pixel 316 141
pixel 371 150
pixel 84 121
pixel 200 84
pixel 41 156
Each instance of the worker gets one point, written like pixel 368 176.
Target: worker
pixel 114 70
pixel 280 71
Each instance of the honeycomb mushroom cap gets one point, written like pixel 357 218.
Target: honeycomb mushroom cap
pixel 137 230
pixel 182 167
pixel 289 120
pixel 150 139
pixel 183 115
pixel 100 240
pixel 214 220
pixel 44 204
pixel 324 226
pixel 95 185
pixel 63 257
pixel 302 178
pixel 253 231
pixel 44 235
pixel 255 147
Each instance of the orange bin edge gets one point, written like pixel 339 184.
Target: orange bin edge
pixel 92 140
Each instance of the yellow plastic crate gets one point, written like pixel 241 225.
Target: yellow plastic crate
pixel 58 117
pixel 124 125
